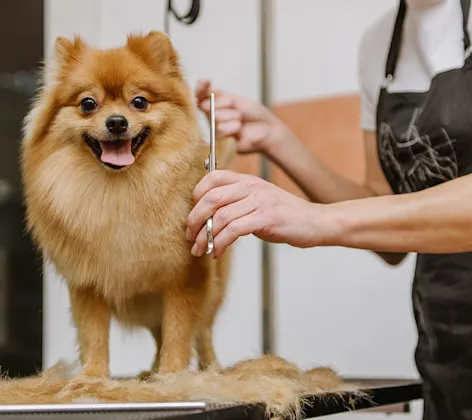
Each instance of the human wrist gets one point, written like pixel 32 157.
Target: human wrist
pixel 327 224
pixel 278 143
pixel 341 223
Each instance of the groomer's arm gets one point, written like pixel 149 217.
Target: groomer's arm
pixel 322 185
pixel 435 220
pixel 317 181
pixel 257 129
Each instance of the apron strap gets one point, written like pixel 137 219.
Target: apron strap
pixel 395 43
pixel 465 20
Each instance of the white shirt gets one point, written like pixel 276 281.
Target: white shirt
pixel 432 42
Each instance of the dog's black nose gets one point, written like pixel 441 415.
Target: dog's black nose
pixel 117 124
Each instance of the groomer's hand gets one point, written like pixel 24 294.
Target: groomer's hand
pixel 244 204
pixel 254 126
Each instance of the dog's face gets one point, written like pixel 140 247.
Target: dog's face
pixel 116 104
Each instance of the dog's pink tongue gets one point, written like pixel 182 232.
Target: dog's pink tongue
pixel 117 153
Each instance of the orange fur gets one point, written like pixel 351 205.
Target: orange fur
pixel 118 237
pixel 272 381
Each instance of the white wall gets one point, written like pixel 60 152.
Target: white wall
pixel 335 306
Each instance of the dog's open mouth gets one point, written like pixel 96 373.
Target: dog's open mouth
pixel 117 154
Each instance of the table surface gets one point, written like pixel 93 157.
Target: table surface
pixel 380 392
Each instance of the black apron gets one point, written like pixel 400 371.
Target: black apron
pixel 425 139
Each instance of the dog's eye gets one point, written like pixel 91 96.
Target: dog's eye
pixel 88 105
pixel 139 102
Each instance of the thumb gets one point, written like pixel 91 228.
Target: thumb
pixel 202 89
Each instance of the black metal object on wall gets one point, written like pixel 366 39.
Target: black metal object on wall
pixel 187 18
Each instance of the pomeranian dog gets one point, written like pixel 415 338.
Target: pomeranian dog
pixel 111 154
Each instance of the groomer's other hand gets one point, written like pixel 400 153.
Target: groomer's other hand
pixel 254 126
pixel 244 204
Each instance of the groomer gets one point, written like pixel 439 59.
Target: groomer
pixel 416 85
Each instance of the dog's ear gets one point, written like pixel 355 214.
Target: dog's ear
pixel 67 50
pixel 157 51
pixel 65 53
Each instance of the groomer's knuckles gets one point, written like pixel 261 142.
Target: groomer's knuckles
pixel 214 193
pixel 206 198
pixel 216 179
pixel 227 217
pixel 216 189
pixel 217 203
pixel 223 100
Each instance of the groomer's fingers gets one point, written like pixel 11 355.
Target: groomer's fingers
pixel 229 121
pixel 215 179
pixel 246 225
pixel 222 101
pixel 223 216
pixel 209 204
pixel 202 89
pixel 227 114
pixel 229 128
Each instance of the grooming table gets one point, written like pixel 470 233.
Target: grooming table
pixel 383 395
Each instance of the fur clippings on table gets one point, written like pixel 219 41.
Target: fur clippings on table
pixel 279 385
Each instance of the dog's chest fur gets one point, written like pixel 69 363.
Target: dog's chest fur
pixel 124 237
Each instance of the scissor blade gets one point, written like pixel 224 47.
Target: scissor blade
pixel 211 167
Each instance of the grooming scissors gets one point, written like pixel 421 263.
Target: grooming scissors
pixel 210 165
